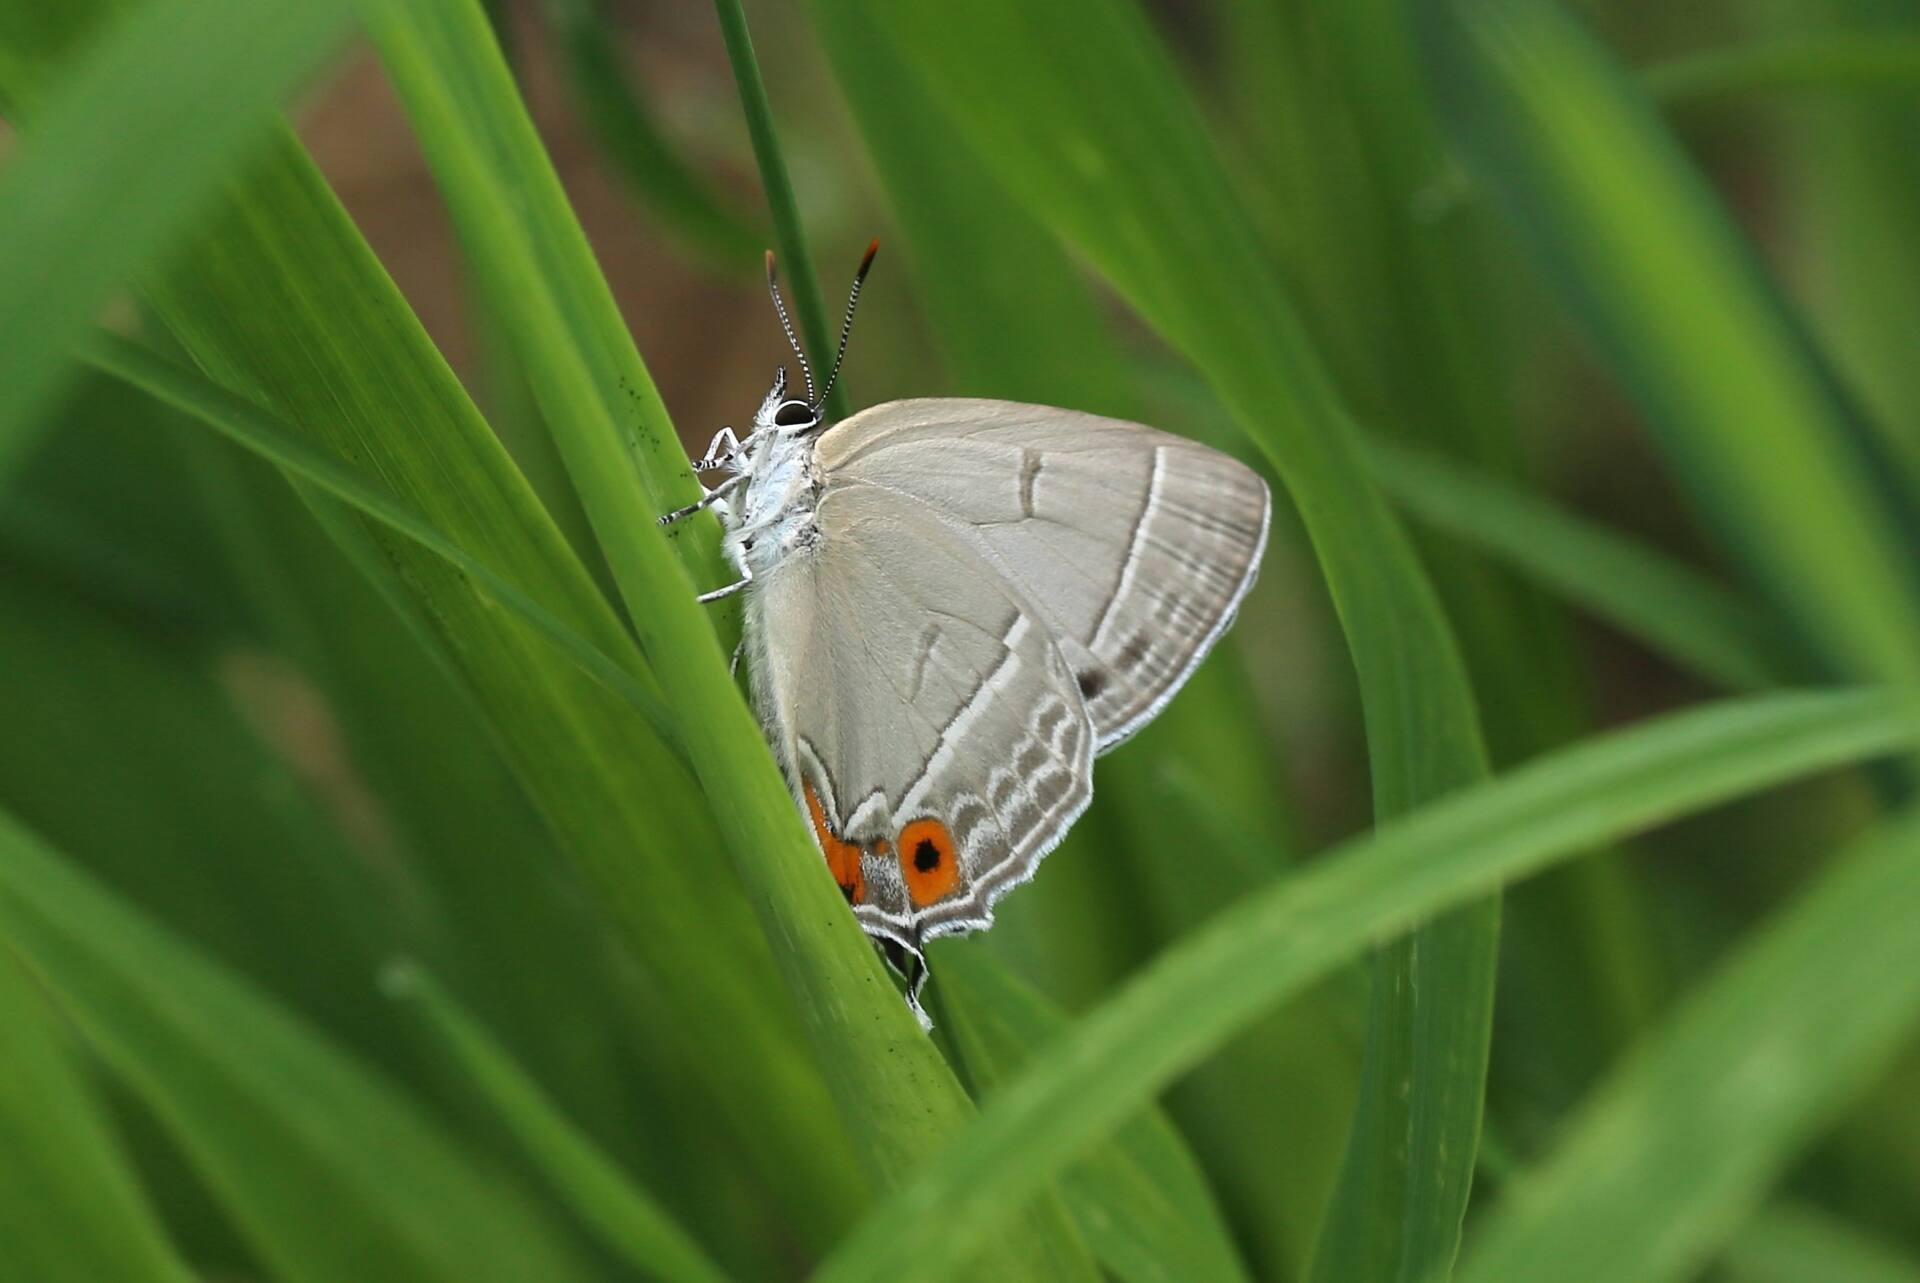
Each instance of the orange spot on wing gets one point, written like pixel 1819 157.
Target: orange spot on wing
pixel 843 857
pixel 928 861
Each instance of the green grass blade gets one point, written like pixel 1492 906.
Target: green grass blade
pixel 1014 315
pixel 71 1210
pixel 1840 61
pixel 1088 126
pixel 277 1120
pixel 253 428
pixel 449 73
pixel 624 1217
pixel 1662 1162
pixel 1016 319
pixel 1851 190
pixel 1796 1243
pixel 1677 612
pixel 1272 945
pixel 163 105
pixel 1139 1198
pixel 684 204
pixel 282 301
pixel 897 1097
pixel 803 285
pixel 1645 257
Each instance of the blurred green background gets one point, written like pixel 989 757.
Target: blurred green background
pixel 392 888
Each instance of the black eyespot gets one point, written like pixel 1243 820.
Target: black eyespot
pixel 1092 682
pixel 793 414
pixel 926 856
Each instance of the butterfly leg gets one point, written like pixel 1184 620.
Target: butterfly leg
pixel 707 500
pixel 746 577
pixel 720 451
pixel 724 449
pixel 910 964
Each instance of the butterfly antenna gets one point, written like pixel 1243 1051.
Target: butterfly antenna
pixel 846 322
pixel 793 340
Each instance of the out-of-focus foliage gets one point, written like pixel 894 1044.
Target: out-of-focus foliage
pixel 1576 340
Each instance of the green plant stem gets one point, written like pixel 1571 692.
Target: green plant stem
pixel 796 264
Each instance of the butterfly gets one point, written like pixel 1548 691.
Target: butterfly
pixel 952 606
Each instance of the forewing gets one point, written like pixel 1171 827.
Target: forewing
pixel 933 731
pixel 1134 546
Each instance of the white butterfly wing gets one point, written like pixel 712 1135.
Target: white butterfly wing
pixel 1134 546
pixel 932 730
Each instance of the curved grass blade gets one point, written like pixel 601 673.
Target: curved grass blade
pixel 898 1099
pixel 163 104
pixel 1016 319
pixel 1837 61
pixel 71 1210
pixel 1677 612
pixel 282 301
pixel 1663 1160
pixel 1645 257
pixel 1139 1198
pixel 1088 126
pixel 248 425
pixel 1272 945
pixel 277 1120
pixel 625 1218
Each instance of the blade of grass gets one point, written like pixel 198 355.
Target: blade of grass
pixel 487 901
pixel 622 1215
pixel 634 144
pixel 1851 193
pixel 1842 61
pixel 1017 320
pixel 277 1120
pixel 1680 613
pixel 896 1095
pixel 1139 1198
pixel 1086 123
pixel 71 1210
pixel 1644 256
pixel 1664 1159
pixel 282 302
pixel 1271 945
pixel 162 105
pixel 248 425
pixel 796 263
pixel 1430 359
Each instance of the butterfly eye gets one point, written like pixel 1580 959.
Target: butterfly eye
pixel 794 414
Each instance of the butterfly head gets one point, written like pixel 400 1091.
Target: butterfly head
pixel 784 415
pixel 790 415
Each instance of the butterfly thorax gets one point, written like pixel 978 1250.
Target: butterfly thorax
pixel 771 515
